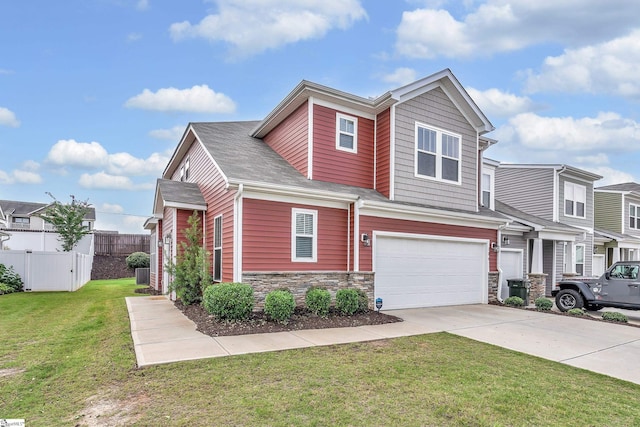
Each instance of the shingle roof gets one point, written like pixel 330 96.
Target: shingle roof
pixel 14 208
pixel 180 192
pixel 626 186
pixel 532 219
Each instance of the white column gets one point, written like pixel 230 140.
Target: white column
pixel 616 255
pixel 570 258
pixel 536 257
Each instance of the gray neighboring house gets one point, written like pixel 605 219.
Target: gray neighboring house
pixel 617 222
pixel 557 201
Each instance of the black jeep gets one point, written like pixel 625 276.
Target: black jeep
pixel 618 287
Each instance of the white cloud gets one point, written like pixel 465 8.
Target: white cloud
pixel 594 159
pixel 30 166
pixel 567 133
pixel 142 5
pixel 507 25
pixel 94 156
pixel 4 71
pixel 105 181
pixel 253 26
pixel 18 176
pixel 8 118
pixel 494 102
pixel 133 37
pixel 612 68
pixel 122 223
pixel 173 134
pixel 610 176
pixel 401 76
pixel 198 99
pixel 111 208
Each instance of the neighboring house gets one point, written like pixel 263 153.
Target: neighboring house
pixel 28 231
pixel 337 190
pixel 617 222
pixel 556 203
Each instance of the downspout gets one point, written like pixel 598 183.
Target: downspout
pixel 349 237
pixel 237 235
pixel 498 296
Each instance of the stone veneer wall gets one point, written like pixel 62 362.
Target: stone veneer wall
pixel 299 282
pixel 538 285
pixel 494 277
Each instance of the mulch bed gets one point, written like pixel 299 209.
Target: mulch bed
pixel 258 323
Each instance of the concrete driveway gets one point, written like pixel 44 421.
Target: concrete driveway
pixel 162 334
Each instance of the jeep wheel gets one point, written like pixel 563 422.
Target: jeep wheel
pixel 567 299
pixel 593 307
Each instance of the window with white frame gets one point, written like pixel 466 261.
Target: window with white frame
pixel 486 190
pixel 182 173
pixel 634 217
pixel 217 248
pixel 304 237
pixel 575 200
pixel 437 154
pixel 186 169
pixel 579 259
pixel 346 133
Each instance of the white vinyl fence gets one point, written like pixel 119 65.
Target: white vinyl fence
pixel 50 271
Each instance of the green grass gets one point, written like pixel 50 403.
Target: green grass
pixel 67 359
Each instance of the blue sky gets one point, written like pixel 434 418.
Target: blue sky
pixel 95 94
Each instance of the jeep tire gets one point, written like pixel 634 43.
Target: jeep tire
pixel 567 299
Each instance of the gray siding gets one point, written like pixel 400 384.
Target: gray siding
pixel 628 200
pixel 608 213
pixel 527 189
pixel 436 109
pixel 519 242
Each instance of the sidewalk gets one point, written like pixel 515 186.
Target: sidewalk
pixel 162 334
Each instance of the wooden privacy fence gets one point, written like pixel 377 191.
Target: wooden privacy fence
pixel 50 271
pixel 121 244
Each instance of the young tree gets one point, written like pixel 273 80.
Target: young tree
pixel 67 219
pixel 191 274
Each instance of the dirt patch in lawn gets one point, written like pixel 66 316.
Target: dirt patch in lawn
pixel 106 412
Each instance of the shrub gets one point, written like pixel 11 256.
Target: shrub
pixel 11 280
pixel 233 301
pixel 363 301
pixel 514 302
pixel 614 316
pixel 279 305
pixel 138 260
pixel 543 304
pixel 5 289
pixel 576 312
pixel 318 301
pixel 347 301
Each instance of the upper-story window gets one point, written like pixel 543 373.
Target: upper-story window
pixel 486 190
pixel 19 222
pixel 346 133
pixel 186 169
pixel 634 217
pixel 437 154
pixel 182 173
pixel 86 224
pixel 575 199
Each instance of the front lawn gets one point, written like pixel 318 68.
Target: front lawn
pixel 67 359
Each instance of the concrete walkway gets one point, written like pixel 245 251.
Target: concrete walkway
pixel 162 334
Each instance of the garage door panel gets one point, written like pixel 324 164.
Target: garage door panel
pixel 424 272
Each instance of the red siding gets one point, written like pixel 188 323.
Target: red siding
pixel 333 165
pixel 383 152
pixel 266 238
pixel 290 139
pixel 368 224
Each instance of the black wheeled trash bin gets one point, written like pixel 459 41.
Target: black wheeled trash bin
pixel 519 288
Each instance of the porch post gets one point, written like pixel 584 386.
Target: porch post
pixel 570 258
pixel 536 257
pixel 616 255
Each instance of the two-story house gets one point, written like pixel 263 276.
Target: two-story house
pixel 555 201
pixel 336 190
pixel 617 222
pixel 26 230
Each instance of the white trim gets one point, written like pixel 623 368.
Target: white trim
pixel 375 153
pixel 294 199
pixel 575 200
pixel 343 108
pixel 354 120
pixel 556 196
pixel 348 239
pixel 584 258
pixel 215 236
pixel 310 103
pixel 637 216
pixel 237 234
pixel 314 236
pixel 356 235
pixel 622 225
pixel 392 152
pixel 185 206
pixel 491 173
pixel 439 156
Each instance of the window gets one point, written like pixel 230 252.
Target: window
pixel 20 222
pixel 579 259
pixel 486 190
pixel 217 248
pixel 346 133
pixel 304 235
pixel 634 217
pixel 437 154
pixel 625 271
pixel 182 173
pixel 86 224
pixel 186 169
pixel 575 199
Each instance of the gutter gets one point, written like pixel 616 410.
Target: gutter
pixel 237 235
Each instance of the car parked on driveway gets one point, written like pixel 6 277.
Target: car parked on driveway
pixel 618 287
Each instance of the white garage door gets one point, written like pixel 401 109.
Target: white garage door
pixel 428 271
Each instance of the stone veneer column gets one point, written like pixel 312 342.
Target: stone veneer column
pixel 538 286
pixel 494 276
